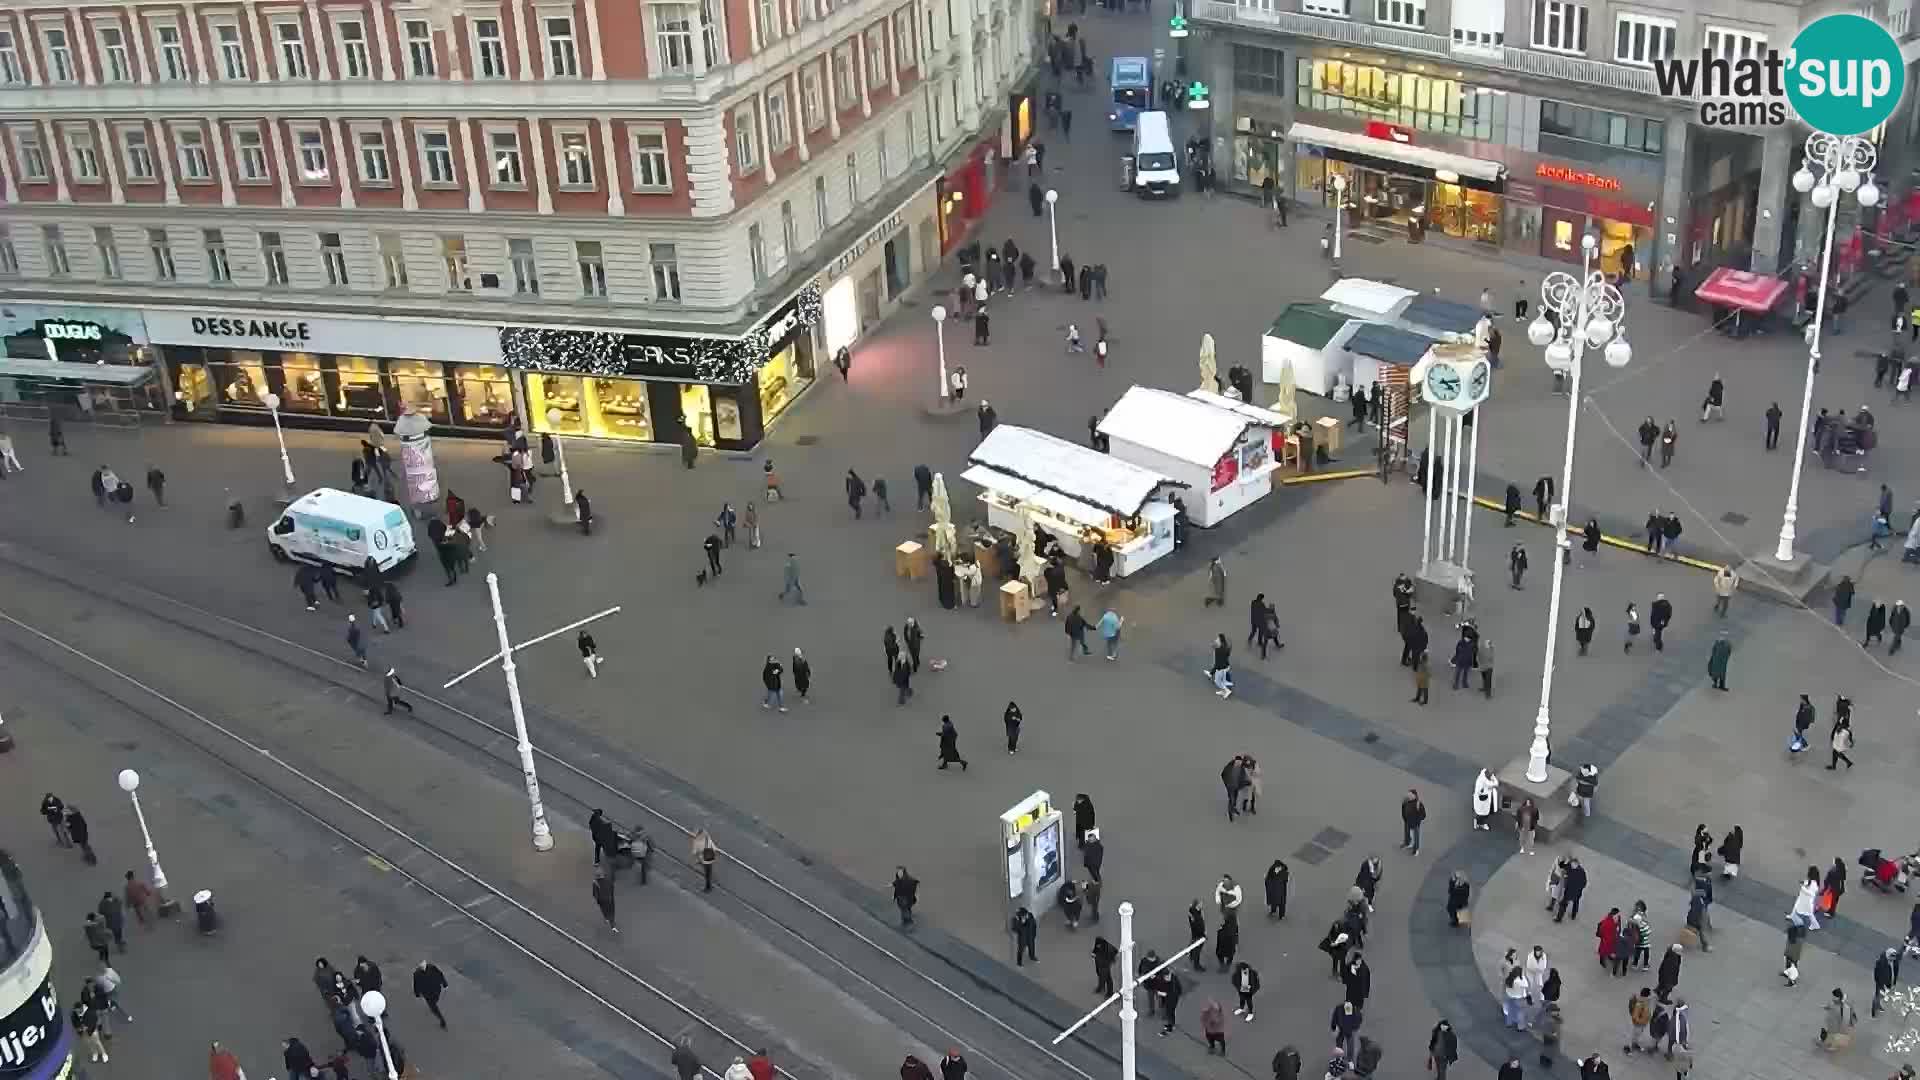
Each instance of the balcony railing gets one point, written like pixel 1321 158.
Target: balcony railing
pixel 1577 69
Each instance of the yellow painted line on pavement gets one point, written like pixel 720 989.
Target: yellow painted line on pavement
pixel 1314 478
pixel 1611 541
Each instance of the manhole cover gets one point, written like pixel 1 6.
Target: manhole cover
pixel 1331 838
pixel 1732 518
pixel 1312 854
pixel 807 440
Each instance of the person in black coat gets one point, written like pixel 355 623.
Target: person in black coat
pixel 1590 536
pixel 1196 931
pixel 1458 893
pixel 912 636
pixel 1659 614
pixel 1026 931
pixel 583 512
pixel 950 744
pixel 1276 887
pixel 78 832
pixel 1571 889
pixel 903 680
pixel 1104 954
pixel 906 893
pixel 1093 852
pixel 1226 942
pixel 297 1058
pixel 1513 503
pixel 428 984
pixel 366 975
pixel 1011 719
pixel 1358 979
pixel 1443 1049
pixel 1084 816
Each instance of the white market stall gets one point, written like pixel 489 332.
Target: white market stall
pixel 1376 349
pixel 1361 298
pixel 1312 337
pixel 1076 494
pixel 1197 439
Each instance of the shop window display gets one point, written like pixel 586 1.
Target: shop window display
pixel 1464 212
pixel 620 409
pixel 421 386
pixel 696 410
pixel 780 381
pixel 561 394
pixel 360 391
pixel 1422 102
pixel 243 379
pixel 601 408
pixel 486 397
pixel 193 389
pixel 305 391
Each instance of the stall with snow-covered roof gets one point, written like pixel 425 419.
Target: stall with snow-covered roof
pixel 1363 298
pixel 1309 337
pixel 1078 496
pixel 1224 455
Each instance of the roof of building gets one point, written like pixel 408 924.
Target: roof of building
pixel 1052 464
pixel 1389 343
pixel 1433 313
pixel 1184 428
pixel 1252 412
pixel 1367 299
pixel 1308 324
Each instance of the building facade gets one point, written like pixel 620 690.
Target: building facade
pixel 1522 124
pixel 479 209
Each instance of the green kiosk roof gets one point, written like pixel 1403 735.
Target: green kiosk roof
pixel 1308 324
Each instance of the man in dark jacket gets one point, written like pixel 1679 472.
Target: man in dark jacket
pixel 1659 614
pixel 953 1066
pixel 923 481
pixel 1104 954
pixel 1574 884
pixel 1233 777
pixel 428 984
pixel 1358 978
pixel 856 491
pixel 988 418
pixel 1443 1049
pixel 1513 503
pixel 906 893
pixel 1026 930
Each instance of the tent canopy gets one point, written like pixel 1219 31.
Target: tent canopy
pixel 1364 299
pixel 1446 316
pixel 1390 344
pixel 1184 428
pixel 1035 467
pixel 1425 157
pixel 19 367
pixel 1307 324
pixel 1741 289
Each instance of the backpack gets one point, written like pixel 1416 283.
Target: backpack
pixel 1658 1026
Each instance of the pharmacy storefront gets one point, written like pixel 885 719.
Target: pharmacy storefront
pixel 340 374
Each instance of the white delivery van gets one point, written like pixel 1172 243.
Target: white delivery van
pixel 1156 166
pixel 341 528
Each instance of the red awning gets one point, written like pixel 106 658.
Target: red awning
pixel 1741 289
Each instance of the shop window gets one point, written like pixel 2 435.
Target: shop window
pixel 421 387
pixel 305 391
pixel 779 382
pixel 1258 70
pixel 696 412
pixel 193 389
pixel 360 391
pixel 601 408
pixel 486 397
pixel 243 378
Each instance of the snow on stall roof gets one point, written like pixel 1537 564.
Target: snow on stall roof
pixel 1252 412
pixel 1069 469
pixel 1366 299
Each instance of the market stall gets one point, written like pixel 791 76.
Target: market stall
pixel 1445 320
pixel 1375 301
pixel 1749 297
pixel 1076 495
pixel 1207 447
pixel 1376 349
pixel 1311 336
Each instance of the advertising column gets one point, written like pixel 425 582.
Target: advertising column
pixel 36 1042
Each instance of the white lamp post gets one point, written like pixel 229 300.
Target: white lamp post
pixel 1590 312
pixel 940 336
pixel 374 1004
pixel 130 783
pixel 1053 229
pixel 272 402
pixel 554 416
pixel 1128 983
pixel 1339 212
pixel 1844 164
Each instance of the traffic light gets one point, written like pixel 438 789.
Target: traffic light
pixel 1177 26
pixel 1197 96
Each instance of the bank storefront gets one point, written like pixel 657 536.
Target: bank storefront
pixel 725 390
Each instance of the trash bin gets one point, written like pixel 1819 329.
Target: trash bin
pixel 203 911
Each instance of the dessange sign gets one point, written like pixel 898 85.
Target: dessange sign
pixel 279 331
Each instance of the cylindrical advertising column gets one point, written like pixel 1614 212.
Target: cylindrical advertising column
pixel 419 478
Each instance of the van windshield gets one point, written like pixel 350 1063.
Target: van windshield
pixel 1156 162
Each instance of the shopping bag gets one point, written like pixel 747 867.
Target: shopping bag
pixel 514 493
pixel 1573 797
pixel 1464 918
pixel 1689 937
pixel 1826 901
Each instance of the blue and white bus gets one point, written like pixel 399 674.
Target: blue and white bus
pixel 1131 81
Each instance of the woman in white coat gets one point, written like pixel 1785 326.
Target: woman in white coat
pixel 1486 799
pixel 1803 904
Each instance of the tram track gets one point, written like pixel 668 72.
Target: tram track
pixel 823 930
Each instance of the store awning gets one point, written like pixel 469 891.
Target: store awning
pixel 1307 325
pixel 1741 289
pixel 1067 478
pixel 1389 344
pixel 1424 157
pixel 1432 314
pixel 20 367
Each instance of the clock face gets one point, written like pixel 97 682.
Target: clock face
pixel 1480 380
pixel 1443 382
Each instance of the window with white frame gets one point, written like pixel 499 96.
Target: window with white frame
pixel 436 158
pixel 59 48
pixel 903 40
pixel 813 107
pixel 757 253
pixel 106 252
pixel 116 63
pixel 1733 44
pixel 779 122
pixel 160 247
pixel 489 48
pixel 846 88
pixel 1334 8
pixel 219 269
pixel 138 148
pixel 673 38
pixel 310 144
pixel 710 32
pixel 576 159
pixel 190 146
pixel 592 261
pixel 666 272
pixel 453 254
pixel 11 73
pixel 420 61
pixel 526 272
pixel 769 21
pixel 746 148
pixel 1480 39
pixel 651 168
pixel 290 44
pixel 9 255
pixel 1409 13
pixel 821 211
pixel 876 59
pixel 393 259
pixel 563 58
pixel 171 50
pixel 83 153
pixel 232 49
pixel 333 256
pixel 273 256
pixel 789 229
pixel 375 168
pixel 58 264
pixel 509 170
pixel 1642 39
pixel 1560 26
pixel 250 154
pixel 356 60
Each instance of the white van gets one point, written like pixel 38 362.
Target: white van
pixel 341 528
pixel 1156 165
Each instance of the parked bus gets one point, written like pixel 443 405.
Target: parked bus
pixel 1131 81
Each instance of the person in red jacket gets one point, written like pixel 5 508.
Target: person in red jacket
pixel 760 1066
pixel 915 1069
